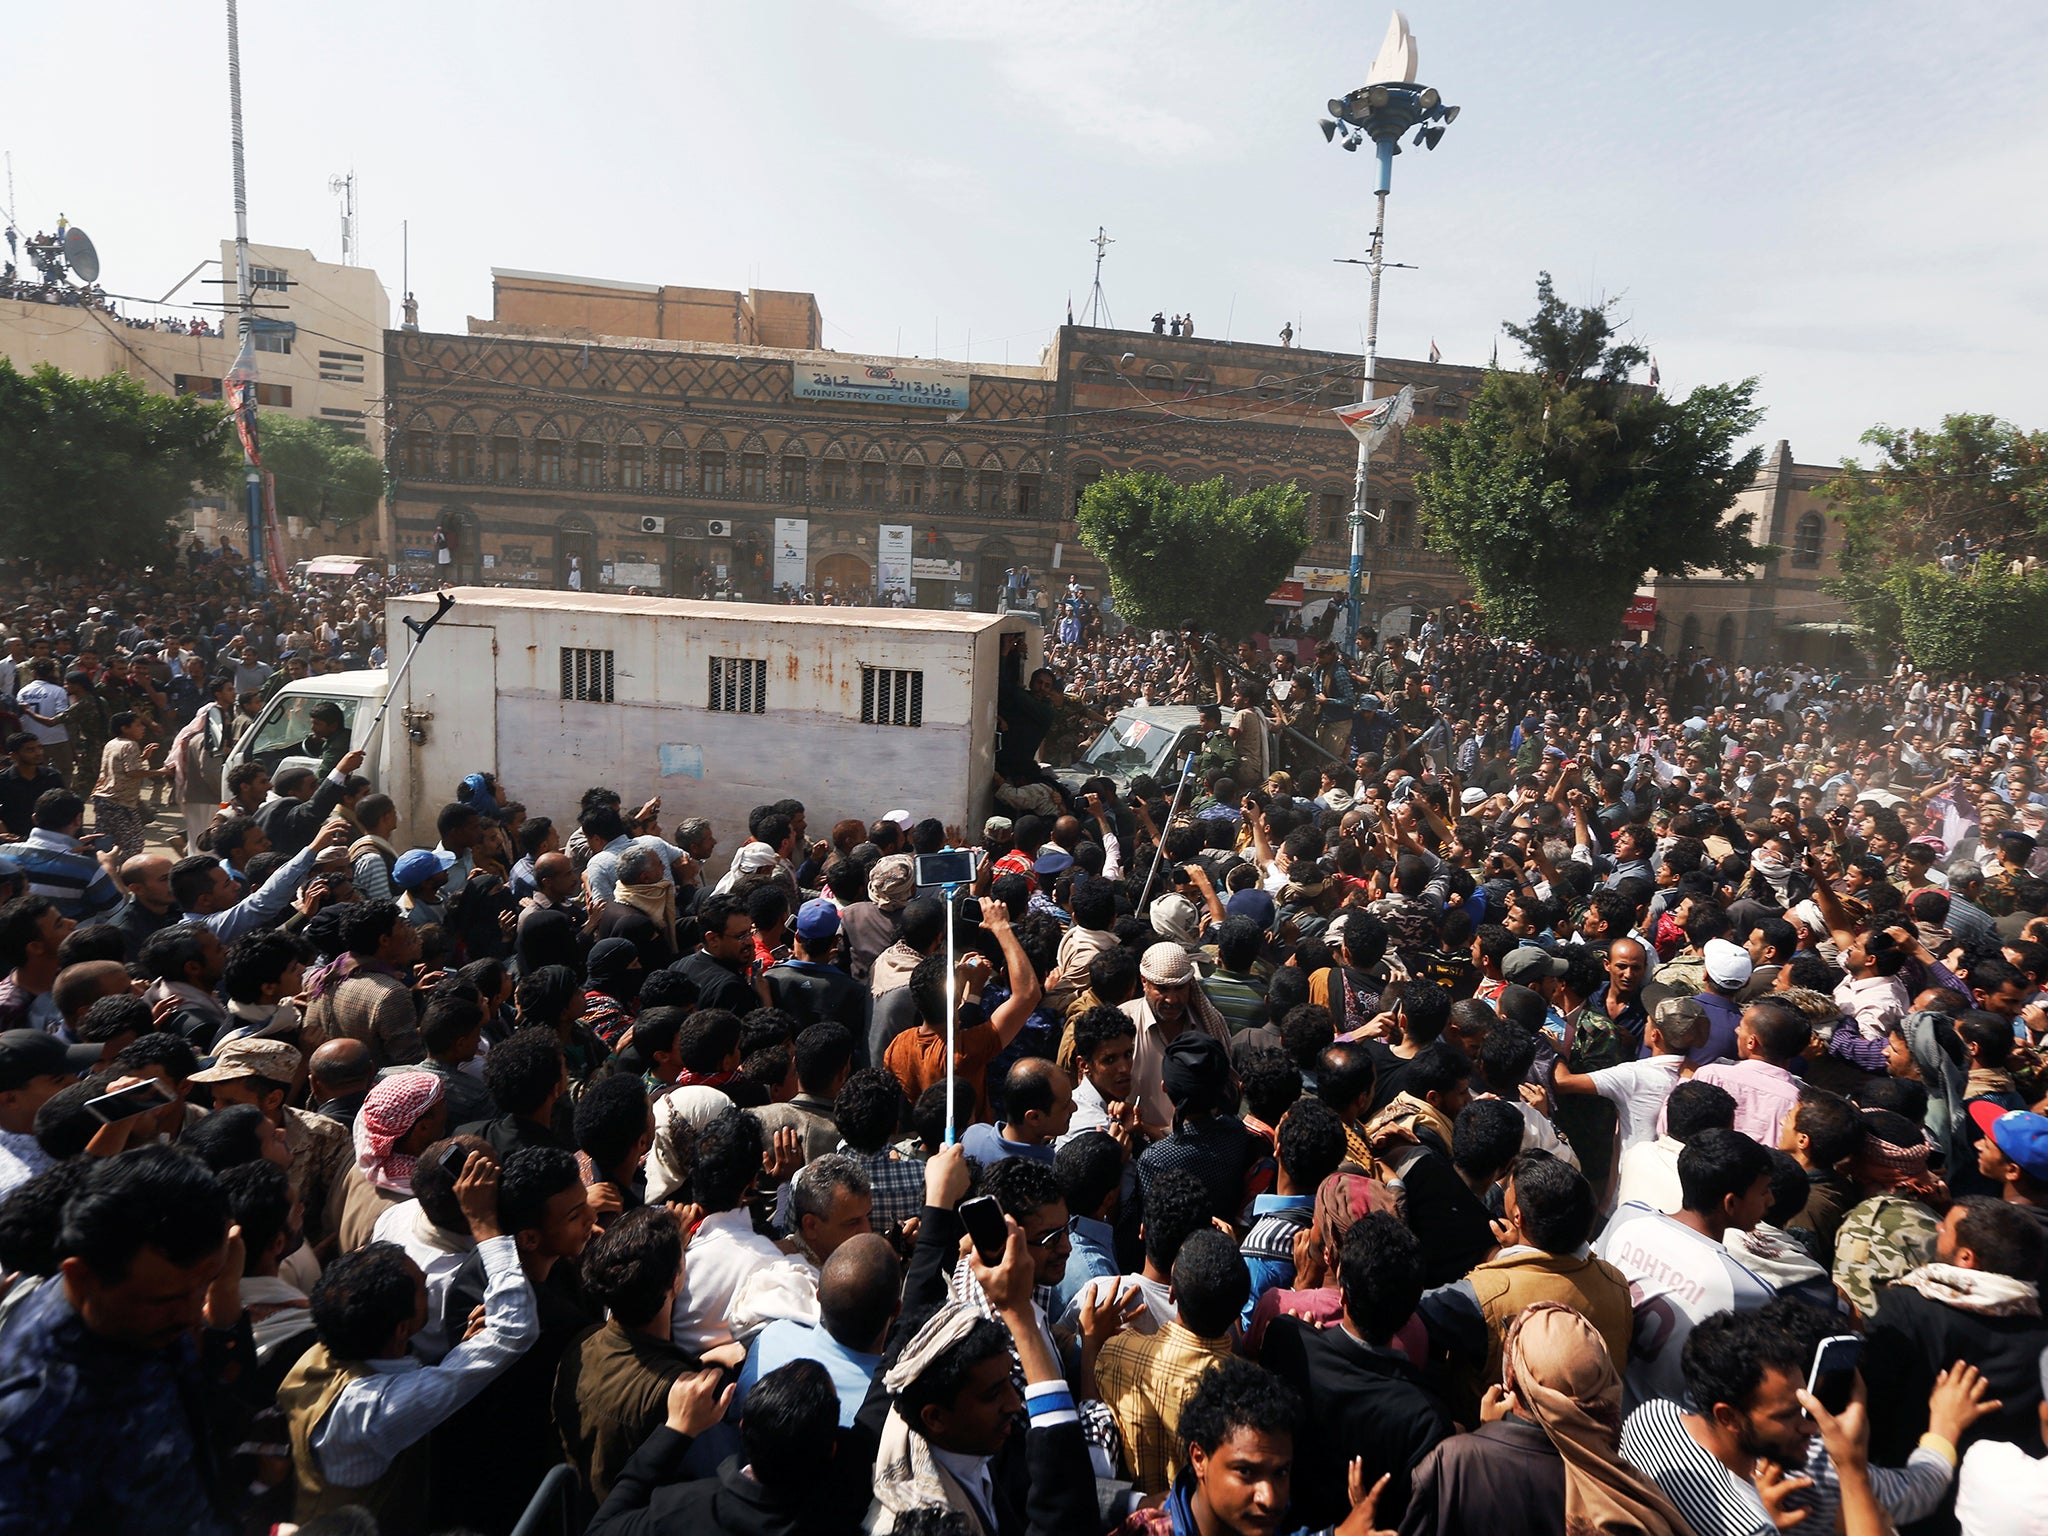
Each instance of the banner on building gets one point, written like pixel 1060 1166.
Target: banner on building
pixel 892 559
pixel 792 550
pixel 1641 614
pixel 935 570
pixel 830 376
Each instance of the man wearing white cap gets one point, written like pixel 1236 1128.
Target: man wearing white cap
pixel 1170 1004
pixel 1728 968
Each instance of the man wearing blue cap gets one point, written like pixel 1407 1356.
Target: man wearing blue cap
pixel 2013 1154
pixel 418 877
pixel 808 986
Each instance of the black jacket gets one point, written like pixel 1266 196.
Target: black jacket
pixel 1359 1400
pixel 649 1500
pixel 290 824
pixel 1912 1339
pixel 18 795
pixel 818 994
pixel 1044 1480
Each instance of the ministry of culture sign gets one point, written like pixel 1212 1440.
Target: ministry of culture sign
pixel 827 376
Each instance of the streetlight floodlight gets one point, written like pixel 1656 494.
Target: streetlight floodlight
pixel 1383 110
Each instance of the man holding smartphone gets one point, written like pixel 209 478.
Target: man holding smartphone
pixel 33 1067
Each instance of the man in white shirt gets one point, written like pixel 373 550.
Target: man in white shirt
pixel 1638 1089
pixel 360 1406
pixel 1678 1270
pixel 1649 1170
pixel 725 1249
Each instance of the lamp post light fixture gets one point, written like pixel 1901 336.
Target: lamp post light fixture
pixel 1381 112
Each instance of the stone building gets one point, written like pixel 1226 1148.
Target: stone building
pixel 686 440
pixel 1778 611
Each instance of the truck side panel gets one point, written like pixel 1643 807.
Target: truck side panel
pixel 454 679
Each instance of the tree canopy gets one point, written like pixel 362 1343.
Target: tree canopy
pixel 99 469
pixel 1983 619
pixel 1566 485
pixel 1193 554
pixel 319 472
pixel 1975 474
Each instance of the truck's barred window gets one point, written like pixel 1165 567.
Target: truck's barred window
pixel 890 696
pixel 739 686
pixel 587 675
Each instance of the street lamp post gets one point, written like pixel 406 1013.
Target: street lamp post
pixel 1381 111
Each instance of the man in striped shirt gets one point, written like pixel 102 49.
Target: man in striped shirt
pixel 78 881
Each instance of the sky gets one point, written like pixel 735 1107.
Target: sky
pixel 1840 199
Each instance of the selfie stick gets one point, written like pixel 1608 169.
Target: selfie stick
pixel 952 1010
pixel 419 628
pixel 1159 851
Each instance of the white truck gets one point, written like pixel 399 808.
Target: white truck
pixel 716 707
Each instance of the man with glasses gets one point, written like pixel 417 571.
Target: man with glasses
pixel 720 967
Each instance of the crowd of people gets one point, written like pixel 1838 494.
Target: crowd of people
pixel 1487 1091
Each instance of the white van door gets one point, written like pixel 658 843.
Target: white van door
pixel 455 683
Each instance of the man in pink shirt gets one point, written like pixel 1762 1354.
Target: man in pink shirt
pixel 1771 1036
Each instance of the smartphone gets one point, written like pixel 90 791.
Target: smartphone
pixel 986 1226
pixel 949 866
pixel 126 1103
pixel 1833 1378
pixel 452 1160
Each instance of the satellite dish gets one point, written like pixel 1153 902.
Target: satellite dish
pixel 79 254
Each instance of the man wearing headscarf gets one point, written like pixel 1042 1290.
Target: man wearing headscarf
pixel 873 926
pixel 1170 1005
pixel 1545 1461
pixel 401 1117
pixel 1893 1230
pixel 948 1437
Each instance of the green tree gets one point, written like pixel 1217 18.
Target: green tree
pixel 320 472
pixel 1976 474
pixel 96 470
pixel 1983 620
pixel 1564 486
pixel 1193 554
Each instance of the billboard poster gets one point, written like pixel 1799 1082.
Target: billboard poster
pixel 892 559
pixel 850 381
pixel 792 550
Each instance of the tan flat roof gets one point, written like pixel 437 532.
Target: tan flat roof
pixel 468 599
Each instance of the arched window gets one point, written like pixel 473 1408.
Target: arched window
pixel 1724 637
pixel 1807 540
pixel 1689 633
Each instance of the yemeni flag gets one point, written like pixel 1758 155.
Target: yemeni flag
pixel 1434 355
pixel 1656 378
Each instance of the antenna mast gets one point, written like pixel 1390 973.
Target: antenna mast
pixel 1098 305
pixel 344 187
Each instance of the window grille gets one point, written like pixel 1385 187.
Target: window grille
pixel 890 696
pixel 739 686
pixel 587 675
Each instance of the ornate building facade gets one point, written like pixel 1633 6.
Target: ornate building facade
pixel 535 449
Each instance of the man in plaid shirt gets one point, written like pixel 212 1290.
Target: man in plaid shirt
pixel 866 1112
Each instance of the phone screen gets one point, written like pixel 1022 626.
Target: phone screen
pixel 949 866
pixel 1833 1379
pixel 984 1219
pixel 124 1103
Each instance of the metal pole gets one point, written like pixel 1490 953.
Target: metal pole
pixel 1159 849
pixel 245 324
pixel 952 1015
pixel 1376 266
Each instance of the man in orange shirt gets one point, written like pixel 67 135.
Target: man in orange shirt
pixel 918 1056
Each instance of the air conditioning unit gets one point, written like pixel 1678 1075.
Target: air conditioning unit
pixel 718 528
pixel 653 524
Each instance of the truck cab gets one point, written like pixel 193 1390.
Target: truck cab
pixel 280 734
pixel 1152 739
